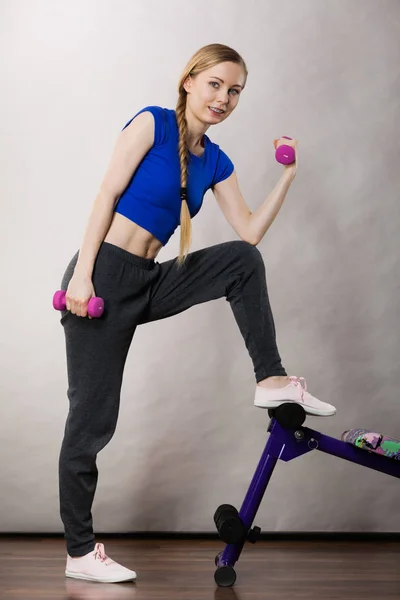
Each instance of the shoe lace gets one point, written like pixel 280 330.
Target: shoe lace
pixel 298 381
pixel 99 554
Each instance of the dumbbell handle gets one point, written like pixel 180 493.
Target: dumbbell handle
pixel 95 304
pixel 285 154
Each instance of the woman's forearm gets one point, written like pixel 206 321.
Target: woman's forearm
pixel 264 216
pixel 96 230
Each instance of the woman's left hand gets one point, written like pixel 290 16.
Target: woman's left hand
pixel 294 143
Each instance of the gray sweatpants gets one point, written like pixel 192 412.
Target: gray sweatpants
pixel 138 290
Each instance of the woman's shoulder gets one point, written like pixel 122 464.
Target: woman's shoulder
pixel 162 121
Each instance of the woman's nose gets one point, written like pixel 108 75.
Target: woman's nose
pixel 223 97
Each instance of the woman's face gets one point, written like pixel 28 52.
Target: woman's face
pixel 216 88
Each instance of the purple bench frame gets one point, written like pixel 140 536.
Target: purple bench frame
pixel 287 444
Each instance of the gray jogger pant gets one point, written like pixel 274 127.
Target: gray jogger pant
pixel 138 290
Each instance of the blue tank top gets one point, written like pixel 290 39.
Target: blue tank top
pixel 152 197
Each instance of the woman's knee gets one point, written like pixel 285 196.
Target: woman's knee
pixel 91 429
pixel 249 253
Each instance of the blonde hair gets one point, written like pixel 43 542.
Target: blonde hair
pixel 203 59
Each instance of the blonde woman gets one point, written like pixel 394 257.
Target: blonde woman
pixel 161 167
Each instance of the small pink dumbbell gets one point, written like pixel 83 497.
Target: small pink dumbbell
pixel 285 154
pixel 95 304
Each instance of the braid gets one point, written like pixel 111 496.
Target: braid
pixel 185 220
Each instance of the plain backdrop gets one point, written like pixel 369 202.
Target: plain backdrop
pixel 188 436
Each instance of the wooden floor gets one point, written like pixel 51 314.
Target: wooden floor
pixel 33 568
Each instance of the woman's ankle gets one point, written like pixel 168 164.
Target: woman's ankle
pixel 274 382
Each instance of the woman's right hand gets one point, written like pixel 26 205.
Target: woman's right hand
pixel 79 292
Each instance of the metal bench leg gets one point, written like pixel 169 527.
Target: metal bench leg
pixel 225 560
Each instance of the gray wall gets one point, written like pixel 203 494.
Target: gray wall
pixel 188 436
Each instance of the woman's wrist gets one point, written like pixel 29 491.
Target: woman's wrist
pixel 290 172
pixel 83 270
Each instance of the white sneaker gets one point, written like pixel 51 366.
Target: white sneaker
pixel 78 589
pixel 97 566
pixel 293 392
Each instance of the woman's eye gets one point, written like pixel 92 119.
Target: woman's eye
pixel 214 83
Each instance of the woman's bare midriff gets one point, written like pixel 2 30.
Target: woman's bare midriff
pixel 131 237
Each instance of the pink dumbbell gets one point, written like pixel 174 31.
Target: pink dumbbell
pixel 95 304
pixel 285 154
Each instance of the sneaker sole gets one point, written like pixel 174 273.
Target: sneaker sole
pixel 99 579
pixel 307 409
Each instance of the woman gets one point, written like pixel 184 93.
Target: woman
pixel 162 165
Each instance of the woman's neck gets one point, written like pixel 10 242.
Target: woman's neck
pixel 195 134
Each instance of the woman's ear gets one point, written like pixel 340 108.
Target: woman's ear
pixel 187 83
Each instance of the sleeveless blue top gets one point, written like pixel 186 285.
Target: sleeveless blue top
pixel 152 197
